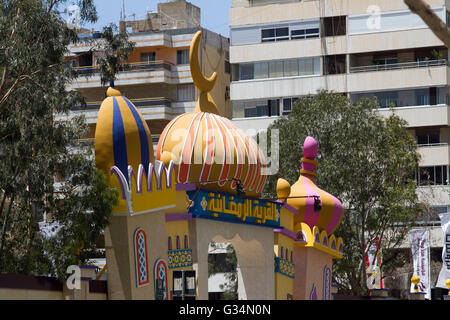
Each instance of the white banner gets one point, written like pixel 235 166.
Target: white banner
pixel 420 252
pixel 445 271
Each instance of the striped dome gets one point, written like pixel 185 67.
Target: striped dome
pixel 208 147
pixel 122 136
pixel 331 212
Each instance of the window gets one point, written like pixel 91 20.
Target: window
pixel 169 243
pixel 305 33
pixel 334 26
pixel 257 111
pixel 334 64
pixel 186 92
pixel 275 69
pixel 148 56
pixel 261 70
pixel 427 138
pixel 300 29
pixel 436 175
pixel 386 62
pixel 288 104
pixel 274 107
pixel 282 252
pixel 183 56
pixel 247 71
pixel 275 34
pixel 291 68
pixel 141 260
pixel 388 99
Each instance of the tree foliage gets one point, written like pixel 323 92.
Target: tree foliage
pixel 36 149
pixel 228 268
pixel 365 160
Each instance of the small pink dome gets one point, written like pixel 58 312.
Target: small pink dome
pixel 310 148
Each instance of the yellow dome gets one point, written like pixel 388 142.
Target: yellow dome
pixel 122 137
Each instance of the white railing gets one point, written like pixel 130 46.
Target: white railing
pixel 399 66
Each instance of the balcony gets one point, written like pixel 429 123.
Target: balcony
pixel 158 108
pixel 421 116
pixel 143 102
pixel 398 76
pixel 434 154
pixel 399 66
pixel 159 71
pixel 141 66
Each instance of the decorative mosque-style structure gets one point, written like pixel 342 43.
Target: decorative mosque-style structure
pixel 205 185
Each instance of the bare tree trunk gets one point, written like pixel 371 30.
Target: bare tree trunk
pixel 435 23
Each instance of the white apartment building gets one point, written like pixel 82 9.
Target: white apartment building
pixel 284 49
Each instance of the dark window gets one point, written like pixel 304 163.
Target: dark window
pixel 334 26
pixel 432 175
pixel 247 71
pixel 275 34
pixel 298 34
pixel 428 137
pixel 287 106
pixel 183 56
pixel 282 32
pixel 274 108
pixel 268 33
pixel 312 33
pixel 227 67
pixel 334 64
pixel 148 56
pixel 305 33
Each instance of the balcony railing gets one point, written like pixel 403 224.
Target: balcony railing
pixel 142 102
pixel 135 66
pixel 399 66
pixel 437 144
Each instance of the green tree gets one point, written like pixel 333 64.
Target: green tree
pixel 228 267
pixel 365 160
pixel 35 148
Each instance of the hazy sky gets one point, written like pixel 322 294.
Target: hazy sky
pixel 214 13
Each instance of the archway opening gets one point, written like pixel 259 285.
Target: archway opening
pixel 223 272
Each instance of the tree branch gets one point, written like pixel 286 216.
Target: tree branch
pixel 435 23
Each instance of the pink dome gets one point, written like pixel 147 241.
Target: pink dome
pixel 310 148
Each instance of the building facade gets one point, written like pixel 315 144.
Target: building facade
pixel 286 49
pixel 158 81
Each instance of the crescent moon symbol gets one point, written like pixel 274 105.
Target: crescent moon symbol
pixel 201 82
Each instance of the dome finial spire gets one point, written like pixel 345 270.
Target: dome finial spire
pixel 310 150
pixel 205 102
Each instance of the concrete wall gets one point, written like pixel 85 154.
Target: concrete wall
pixel 309 266
pixel 120 255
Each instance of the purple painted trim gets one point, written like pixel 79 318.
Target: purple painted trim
pixel 185 186
pixel 288 207
pixel 118 173
pixel 178 216
pixel 287 233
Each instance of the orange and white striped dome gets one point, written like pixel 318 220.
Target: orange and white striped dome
pixel 209 148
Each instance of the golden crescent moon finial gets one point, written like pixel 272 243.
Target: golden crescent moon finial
pixel 202 83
